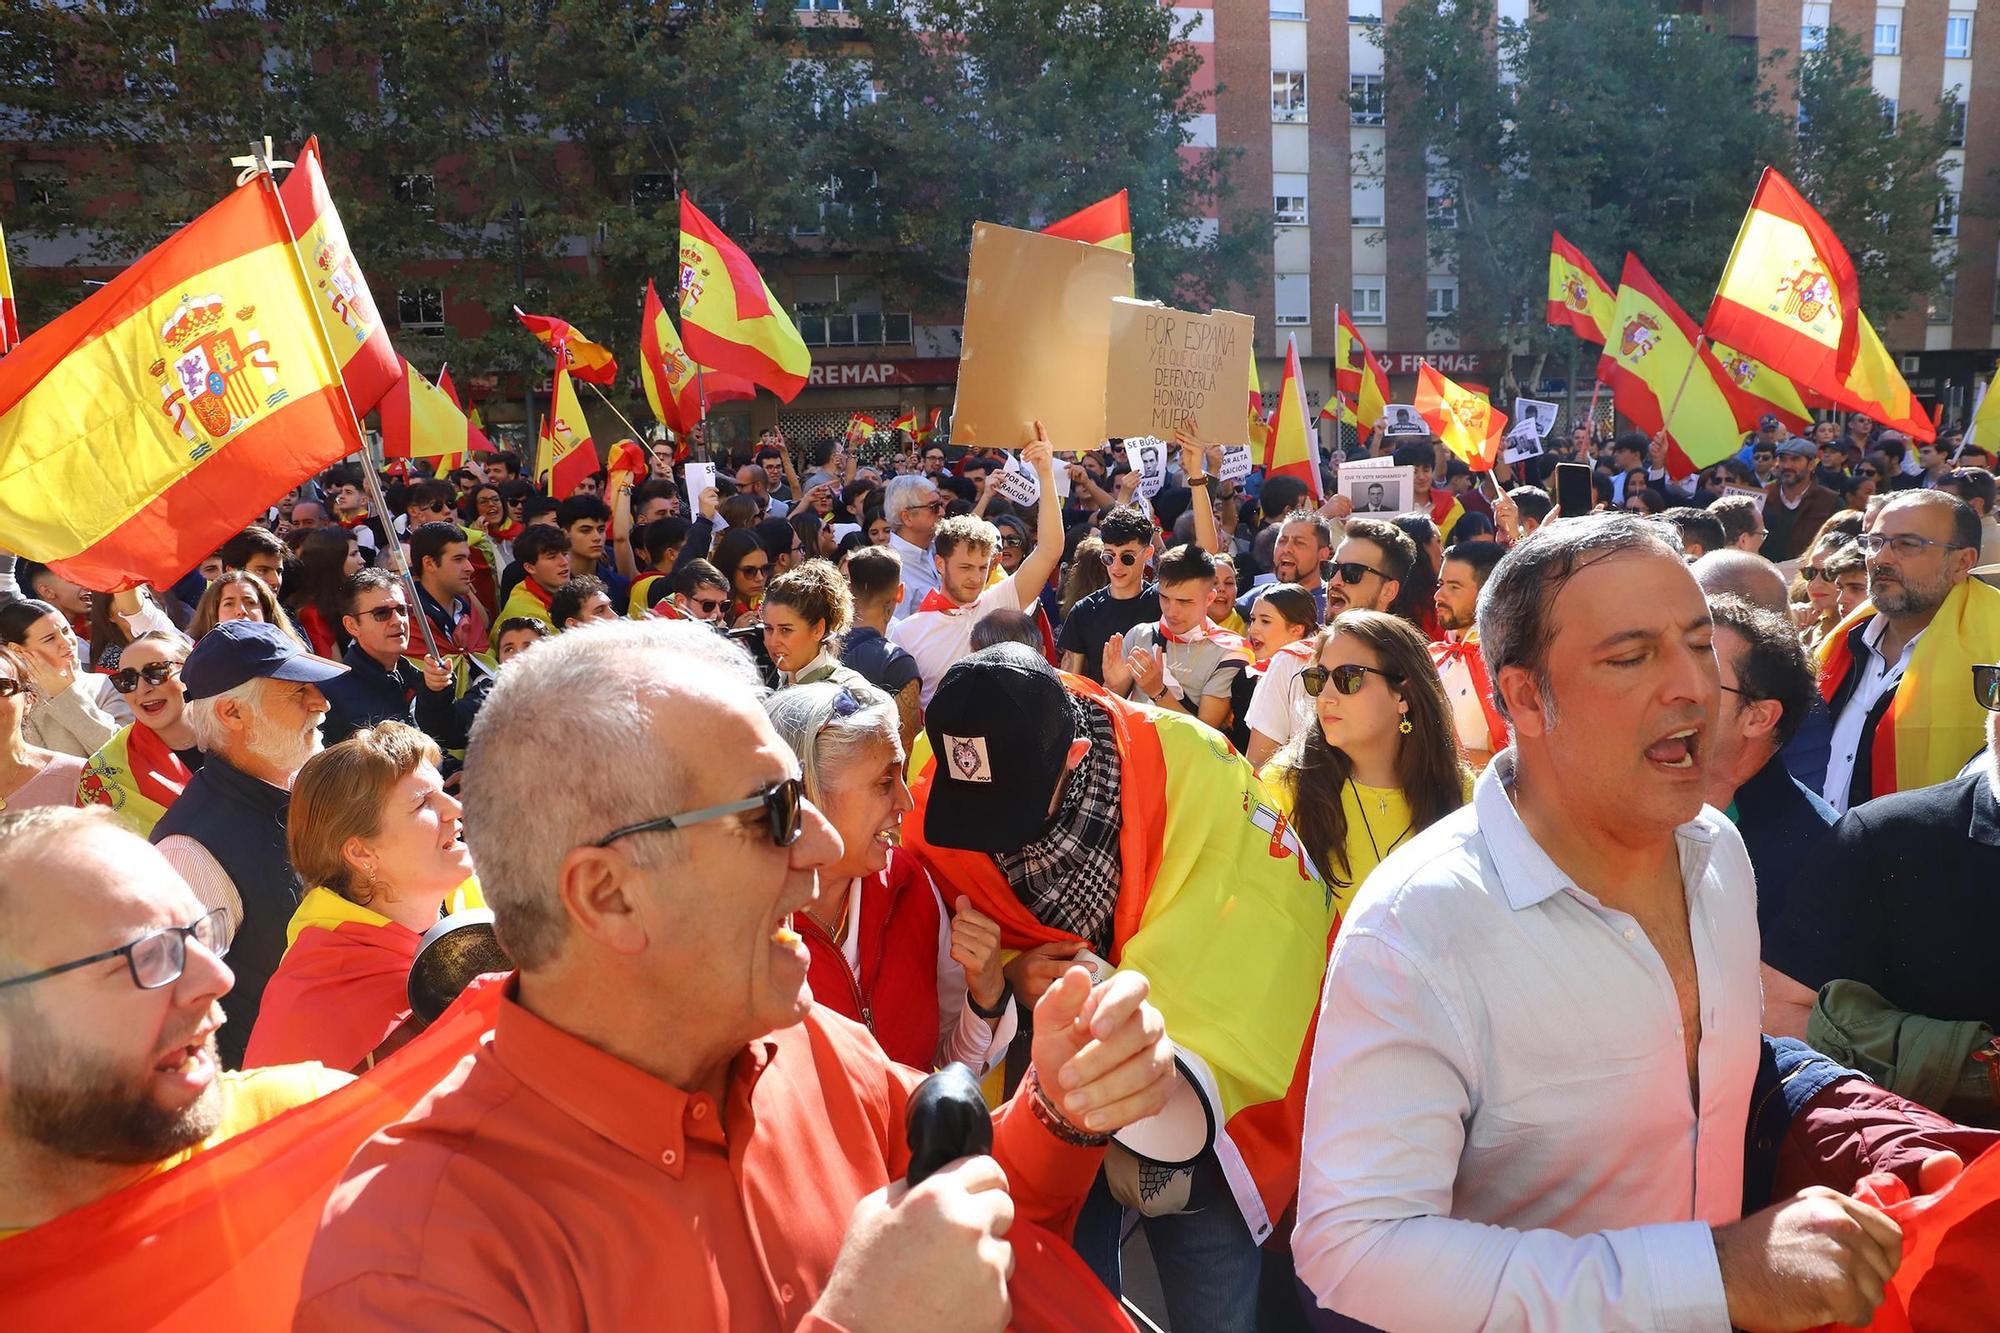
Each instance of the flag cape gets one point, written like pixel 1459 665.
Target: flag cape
pixel 588 361
pixel 1291 447
pixel 10 318
pixel 420 420
pixel 1933 724
pixel 1767 390
pixel 360 339
pixel 136 775
pixel 220 1241
pixel 1466 422
pixel 1789 295
pixel 1108 223
pixel 568 454
pixel 152 422
pixel 1645 361
pixel 1579 298
pixel 729 319
pixel 1358 377
pixel 1230 883
pixel 475 438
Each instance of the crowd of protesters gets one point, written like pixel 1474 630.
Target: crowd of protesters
pixel 1478 917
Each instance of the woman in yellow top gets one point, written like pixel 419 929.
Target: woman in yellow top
pixel 1379 762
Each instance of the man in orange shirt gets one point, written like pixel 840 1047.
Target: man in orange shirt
pixel 662 1127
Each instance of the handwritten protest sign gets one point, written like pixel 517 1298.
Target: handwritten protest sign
pixel 1166 366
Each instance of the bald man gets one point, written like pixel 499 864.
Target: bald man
pixel 1741 574
pixel 109 1002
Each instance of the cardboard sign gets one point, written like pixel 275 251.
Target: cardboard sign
pixel 1018 484
pixel 1536 413
pixel 1037 337
pixel 842 531
pixel 1148 457
pixel 699 477
pixel 1402 419
pixel 1166 366
pixel 1236 462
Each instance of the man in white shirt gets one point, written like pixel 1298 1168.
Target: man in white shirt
pixel 912 506
pixel 1539 1031
pixel 938 629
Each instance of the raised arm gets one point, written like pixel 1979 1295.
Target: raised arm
pixel 1039 564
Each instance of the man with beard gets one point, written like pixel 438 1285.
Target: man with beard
pixel 383 685
pixel 254 702
pixel 1369 568
pixel 1795 505
pixel 1894 678
pixel 1304 542
pixel 1482 732
pixel 108 1016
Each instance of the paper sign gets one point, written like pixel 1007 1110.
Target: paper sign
pixel 1379 490
pixel 1402 419
pixel 842 531
pixel 1364 464
pixel 1236 462
pixel 1018 484
pixel 1522 443
pixel 1536 413
pixel 1037 337
pixel 1148 457
pixel 1755 497
pixel 700 477
pixel 1167 366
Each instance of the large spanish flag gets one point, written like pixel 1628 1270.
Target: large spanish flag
pixel 149 424
pixel 1789 295
pixel 360 339
pixel 676 387
pixel 1877 387
pixel 729 319
pixel 1357 376
pixel 1767 390
pixel 1291 448
pixel 1651 354
pixel 568 453
pixel 1579 298
pixel 1108 223
pixel 1465 421
pixel 588 361
pixel 10 319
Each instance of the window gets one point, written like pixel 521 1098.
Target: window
pixel 1939 310
pixel 1958 37
pixel 1888 36
pixel 1889 112
pixel 1294 291
pixel 1364 11
pixel 1366 308
pixel 1947 215
pixel 1958 124
pixel 1440 298
pixel 650 189
pixel 1441 203
pixel 1366 196
pixel 421 310
pixel 1813 19
pixel 844 310
pixel 823 6
pixel 1288 198
pixel 41 184
pixel 1365 104
pixel 1288 94
pixel 418 192
pixel 1288 9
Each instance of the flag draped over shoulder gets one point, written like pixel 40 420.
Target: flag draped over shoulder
pixel 10 318
pixel 1290 446
pixel 1108 223
pixel 588 361
pixel 729 318
pixel 1647 360
pixel 567 452
pixel 1358 377
pixel 149 424
pixel 1464 421
pixel 1579 298
pixel 360 339
pixel 676 387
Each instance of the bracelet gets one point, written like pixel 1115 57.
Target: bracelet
pixel 1055 1121
pixel 1200 483
pixel 999 1006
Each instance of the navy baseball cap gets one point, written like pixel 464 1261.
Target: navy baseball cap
pixel 1000 726
pixel 240 650
pixel 1769 421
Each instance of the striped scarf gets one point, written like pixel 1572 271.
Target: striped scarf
pixel 1069 876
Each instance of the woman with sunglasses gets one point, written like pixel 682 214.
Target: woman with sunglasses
pixel 142 770
pixel 1379 761
pixel 70 710
pixel 1871 474
pixel 1270 705
pixel 1835 579
pixel 30 774
pixel 744 561
pixel 885 951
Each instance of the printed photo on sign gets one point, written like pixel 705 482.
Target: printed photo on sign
pixel 1536 412
pixel 1402 419
pixel 1148 457
pixel 1379 490
pixel 1236 462
pixel 1522 443
pixel 967 757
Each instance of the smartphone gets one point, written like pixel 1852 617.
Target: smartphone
pixel 1575 493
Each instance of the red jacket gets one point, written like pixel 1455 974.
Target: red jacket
pixel 895 993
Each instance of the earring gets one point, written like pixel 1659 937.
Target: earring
pixel 1405 727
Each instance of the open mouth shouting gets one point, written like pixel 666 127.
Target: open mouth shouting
pixel 1678 750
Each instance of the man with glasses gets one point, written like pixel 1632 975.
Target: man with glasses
pixel 1369 567
pixel 933 462
pixel 1129 600
pixel 1893 679
pixel 700 592
pixel 659 1080
pixel 913 508
pixel 383 684
pixel 1762 448
pixel 108 1020
pixel 1795 505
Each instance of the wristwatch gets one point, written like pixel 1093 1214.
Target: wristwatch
pixel 999 1006
pixel 1200 483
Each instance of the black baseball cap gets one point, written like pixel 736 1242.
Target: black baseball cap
pixel 1000 726
pixel 240 650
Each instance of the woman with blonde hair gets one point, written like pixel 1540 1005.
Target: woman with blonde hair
pixel 375 833
pixel 1379 762
pixel 804 613
pixel 239 595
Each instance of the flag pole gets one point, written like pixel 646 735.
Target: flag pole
pixel 259 164
pixel 1667 422
pixel 636 435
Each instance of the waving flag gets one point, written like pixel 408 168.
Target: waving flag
pixel 420 420
pixel 150 423
pixel 906 422
pixel 729 319
pixel 10 320
pixel 360 341
pixel 567 452
pixel 1766 388
pixel 1260 441
pixel 1789 295
pixel 587 361
pixel 475 438
pixel 923 434
pixel 1108 223
pixel 1291 448
pixel 1579 300
pixel 1358 377
pixel 675 386
pixel 1651 355
pixel 1464 421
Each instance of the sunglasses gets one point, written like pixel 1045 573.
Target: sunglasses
pixel 153 673
pixel 1347 678
pixel 1125 558
pixel 753 571
pixel 1352 572
pixel 1012 543
pixel 1866 472
pixel 1986 687
pixel 709 607
pixel 780 800
pixel 382 615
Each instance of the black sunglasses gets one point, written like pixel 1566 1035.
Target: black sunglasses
pixel 781 801
pixel 1986 687
pixel 1347 678
pixel 153 673
pixel 382 615
pixel 1352 572
pixel 1125 558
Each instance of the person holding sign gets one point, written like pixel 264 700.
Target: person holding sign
pixel 939 632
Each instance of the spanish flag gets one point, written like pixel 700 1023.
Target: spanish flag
pixel 729 319
pixel 1789 295
pixel 360 340
pixel 568 454
pixel 1877 387
pixel 419 420
pixel 907 422
pixel 1651 352
pixel 676 387
pixel 475 437
pixel 1290 446
pixel 1259 419
pixel 1357 377
pixel 1579 299
pixel 930 427
pixel 1108 223
pixel 10 320
pixel 588 361
pixel 860 426
pixel 149 424
pixel 1765 388
pixel 1466 422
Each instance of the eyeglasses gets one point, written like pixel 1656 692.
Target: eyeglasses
pixel 1986 687
pixel 1906 544
pixel 935 507
pixel 153 673
pixel 1351 572
pixel 155 959
pixel 1744 695
pixel 1347 678
pixel 1125 558
pixel 781 802
pixel 382 615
